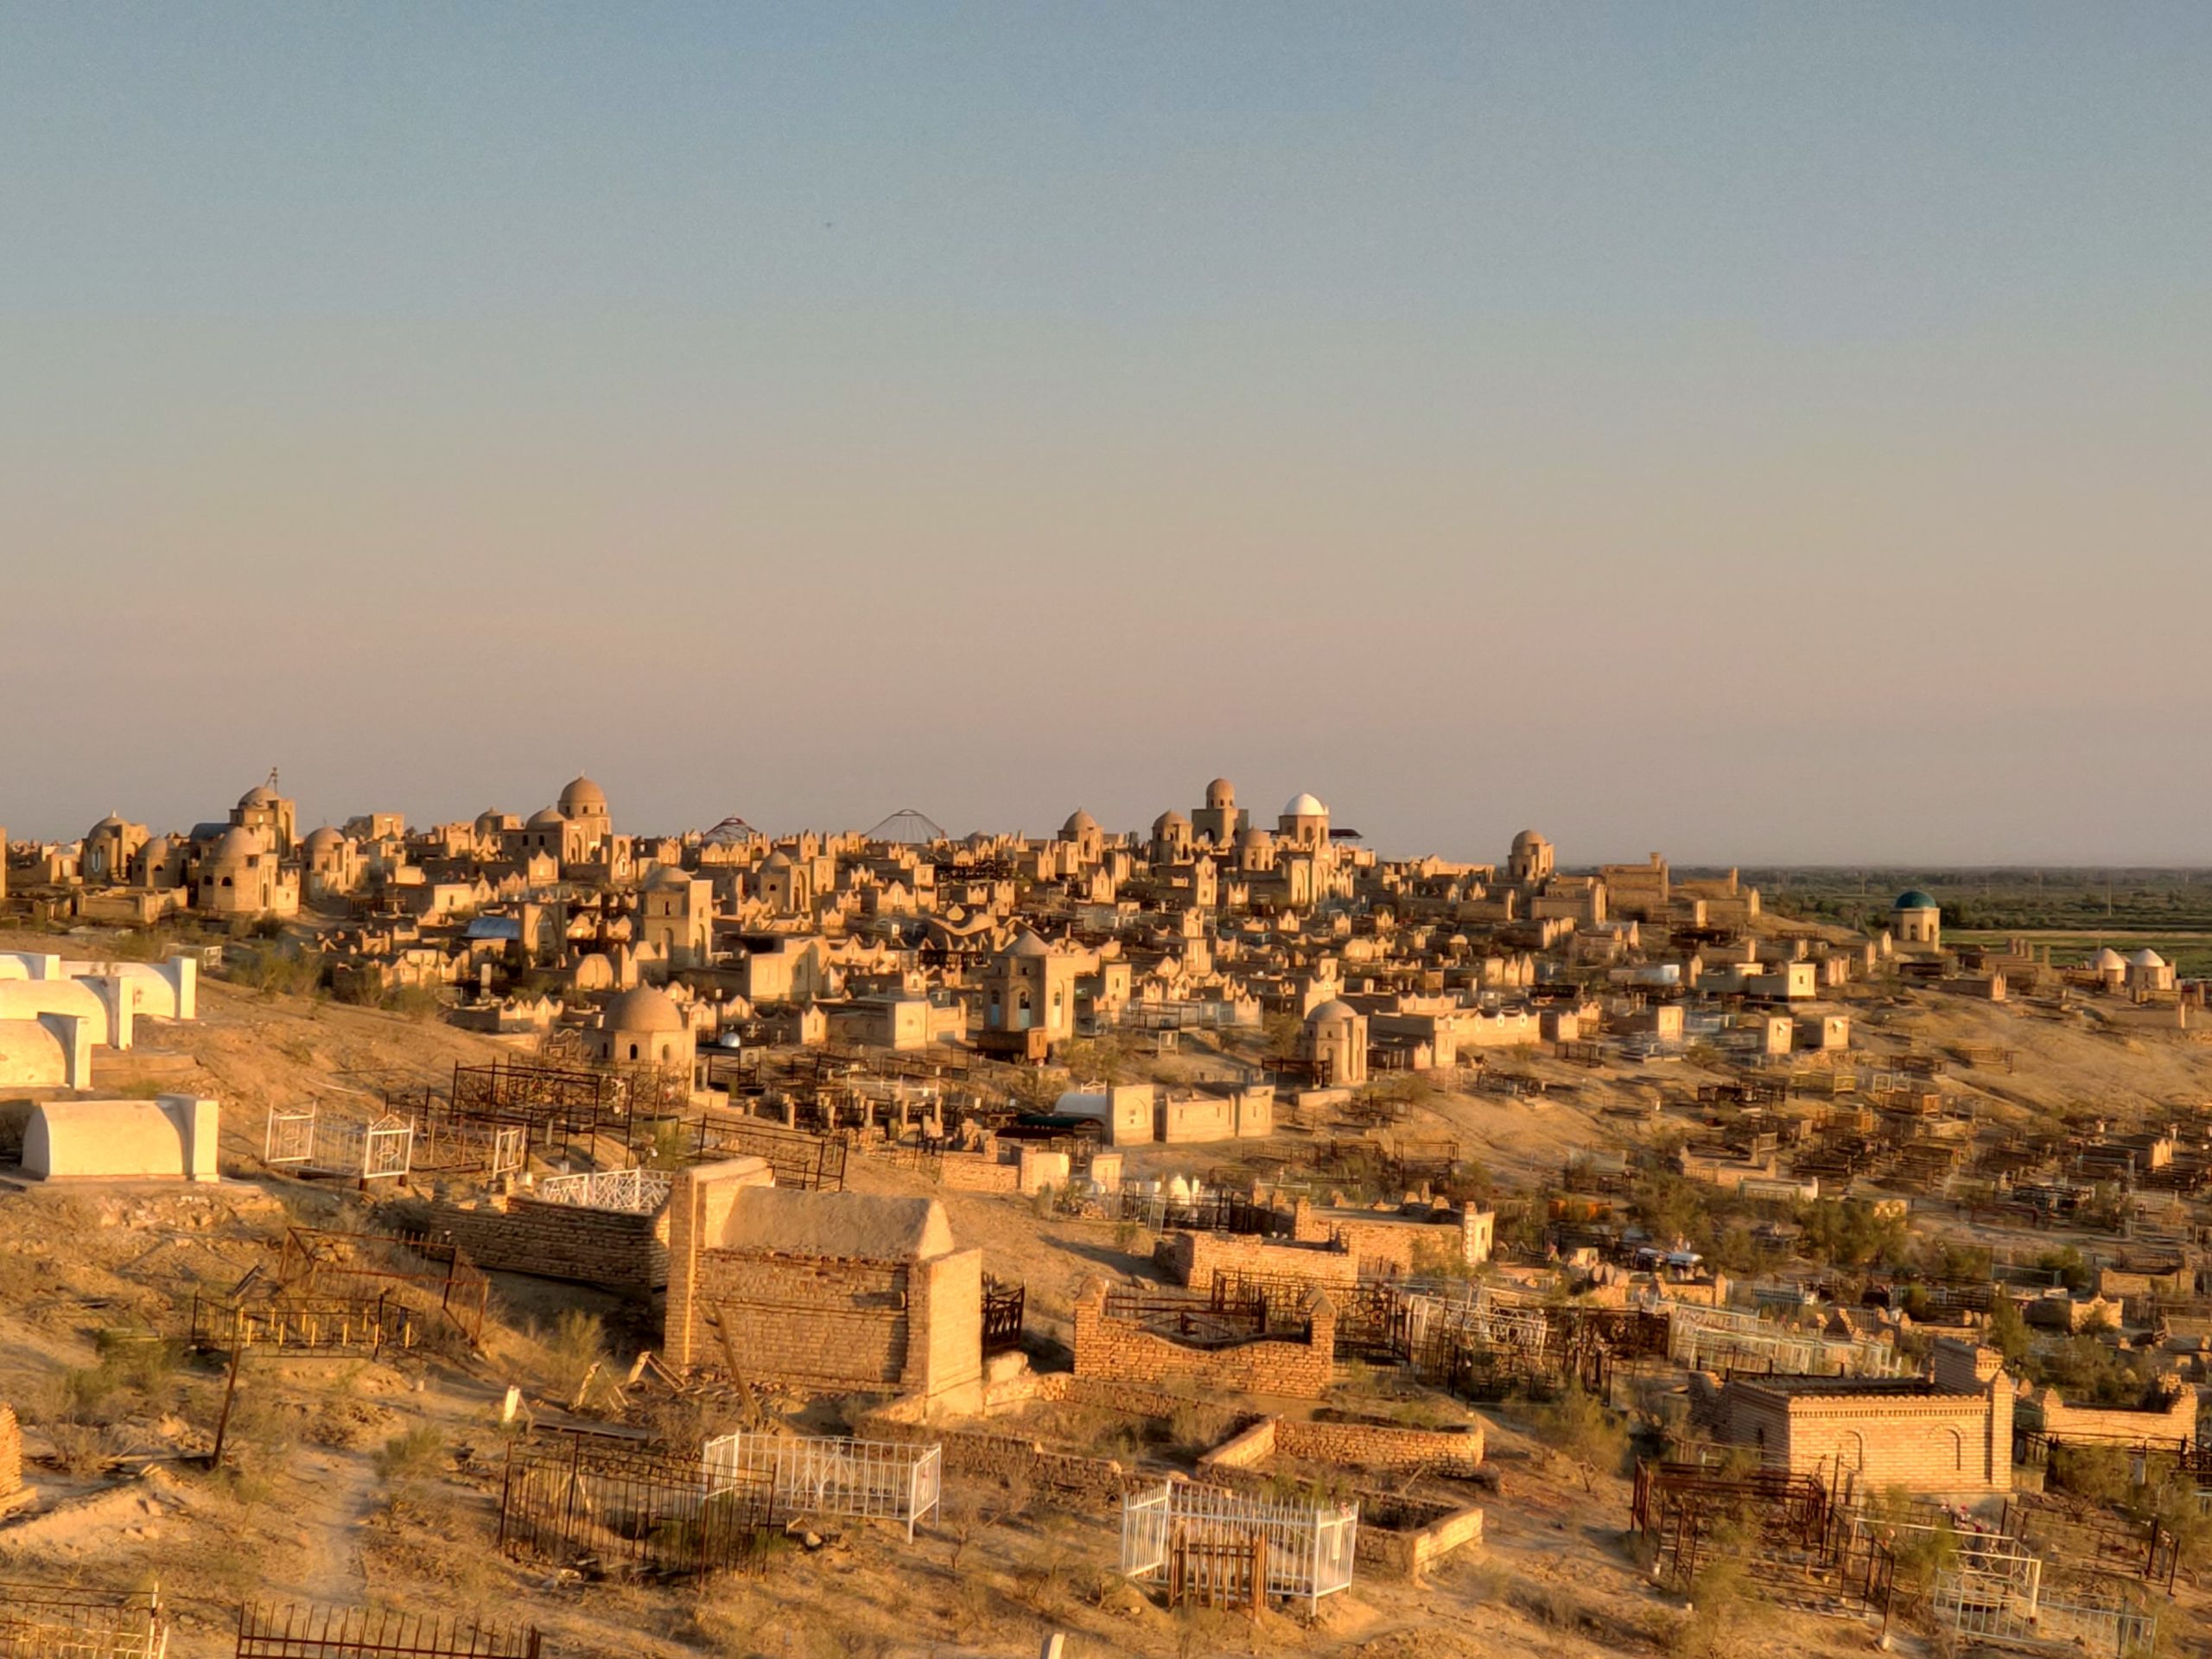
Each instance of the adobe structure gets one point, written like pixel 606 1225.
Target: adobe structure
pixel 831 1292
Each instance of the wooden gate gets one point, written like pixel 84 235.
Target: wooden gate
pixel 1213 1567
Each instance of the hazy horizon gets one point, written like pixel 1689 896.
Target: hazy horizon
pixel 1764 435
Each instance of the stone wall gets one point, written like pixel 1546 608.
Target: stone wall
pixel 618 1250
pixel 1125 1350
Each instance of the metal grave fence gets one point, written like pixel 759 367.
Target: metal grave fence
pixel 888 1480
pixel 312 1632
pixel 1308 1548
pixel 1996 1594
pixel 332 1328
pixel 634 1191
pixel 653 1513
pixel 40 1621
pixel 1720 1339
pixel 382 1150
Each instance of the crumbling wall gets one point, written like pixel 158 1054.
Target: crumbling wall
pixel 1091 1482
pixel 1120 1349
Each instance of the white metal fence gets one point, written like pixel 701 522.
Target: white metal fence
pixel 888 1480
pixel 1716 1339
pixel 383 1150
pixel 1996 1593
pixel 637 1191
pixel 1309 1547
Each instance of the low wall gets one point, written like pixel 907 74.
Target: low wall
pixel 1399 1551
pixel 1114 1349
pixel 1378 1446
pixel 617 1250
pixel 1056 1387
pixel 976 1172
pixel 1096 1482
pixel 1193 1259
pixel 2116 1424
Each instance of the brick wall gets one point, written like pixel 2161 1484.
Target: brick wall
pixel 610 1248
pixel 699 1206
pixel 1120 1395
pixel 11 1453
pixel 1192 1259
pixel 1406 1546
pixel 1935 1442
pixel 806 1319
pixel 836 1324
pixel 1383 1447
pixel 1379 1445
pixel 1387 1245
pixel 1115 1349
pixel 2174 1420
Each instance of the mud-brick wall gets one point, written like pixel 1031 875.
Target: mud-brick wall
pixel 615 1248
pixel 1126 1351
pixel 811 1320
pixel 1382 1447
pixel 976 1172
pixel 1193 1259
pixel 11 1452
pixel 1378 1446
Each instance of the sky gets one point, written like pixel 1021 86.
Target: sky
pixel 1761 433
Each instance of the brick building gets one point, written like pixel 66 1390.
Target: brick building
pixel 1949 1434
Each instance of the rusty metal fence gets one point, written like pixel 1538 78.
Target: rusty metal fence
pixel 622 1508
pixel 311 1632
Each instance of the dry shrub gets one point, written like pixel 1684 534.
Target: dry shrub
pixel 408 1459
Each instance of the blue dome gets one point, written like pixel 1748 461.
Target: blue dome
pixel 1914 899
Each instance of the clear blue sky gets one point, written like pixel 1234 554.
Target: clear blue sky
pixel 1759 432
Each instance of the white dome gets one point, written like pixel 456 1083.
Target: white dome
pixel 1304 805
pixel 2146 957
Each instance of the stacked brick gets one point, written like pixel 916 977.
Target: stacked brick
pixel 811 1320
pixel 11 1454
pixel 1125 1350
pixel 1193 1259
pixel 617 1250
pixel 1382 1447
